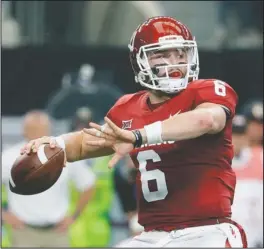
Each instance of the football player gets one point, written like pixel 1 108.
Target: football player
pixel 178 134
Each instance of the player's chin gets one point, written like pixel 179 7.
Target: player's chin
pixel 170 95
pixel 161 93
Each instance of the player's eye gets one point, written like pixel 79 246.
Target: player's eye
pixel 167 54
pixel 156 56
pixel 181 56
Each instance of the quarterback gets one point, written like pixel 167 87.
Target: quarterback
pixel 177 131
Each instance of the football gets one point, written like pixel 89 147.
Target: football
pixel 34 173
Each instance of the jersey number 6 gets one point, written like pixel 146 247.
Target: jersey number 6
pixel 155 174
pixel 220 88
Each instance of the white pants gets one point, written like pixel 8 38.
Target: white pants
pixel 202 236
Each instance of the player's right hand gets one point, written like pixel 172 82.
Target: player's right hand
pixel 33 145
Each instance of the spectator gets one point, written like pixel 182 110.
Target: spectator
pixel 253 111
pixel 81 119
pixel 239 137
pixel 240 24
pixel 11 36
pixel 93 229
pixel 248 201
pixel 42 220
pixel 83 89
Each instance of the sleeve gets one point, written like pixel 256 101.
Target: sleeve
pixel 218 92
pixel 81 174
pixel 115 112
pixel 111 115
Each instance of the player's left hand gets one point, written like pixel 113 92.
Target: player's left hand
pixel 122 141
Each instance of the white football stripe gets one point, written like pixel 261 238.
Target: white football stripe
pixel 12 182
pixel 41 154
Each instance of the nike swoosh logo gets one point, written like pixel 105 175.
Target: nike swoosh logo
pixel 175 114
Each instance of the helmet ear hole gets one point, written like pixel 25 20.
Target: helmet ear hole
pixel 144 78
pixel 193 67
pixel 155 70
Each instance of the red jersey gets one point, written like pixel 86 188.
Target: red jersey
pixel 185 181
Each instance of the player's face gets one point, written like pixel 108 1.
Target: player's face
pixel 173 57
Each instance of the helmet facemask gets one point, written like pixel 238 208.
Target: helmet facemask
pixel 164 75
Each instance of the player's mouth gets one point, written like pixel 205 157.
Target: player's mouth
pixel 176 74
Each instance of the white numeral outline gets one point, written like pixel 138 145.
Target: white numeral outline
pixel 220 88
pixel 147 175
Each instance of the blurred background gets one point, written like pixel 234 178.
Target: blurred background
pixel 69 60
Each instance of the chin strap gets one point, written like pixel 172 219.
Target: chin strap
pixel 172 84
